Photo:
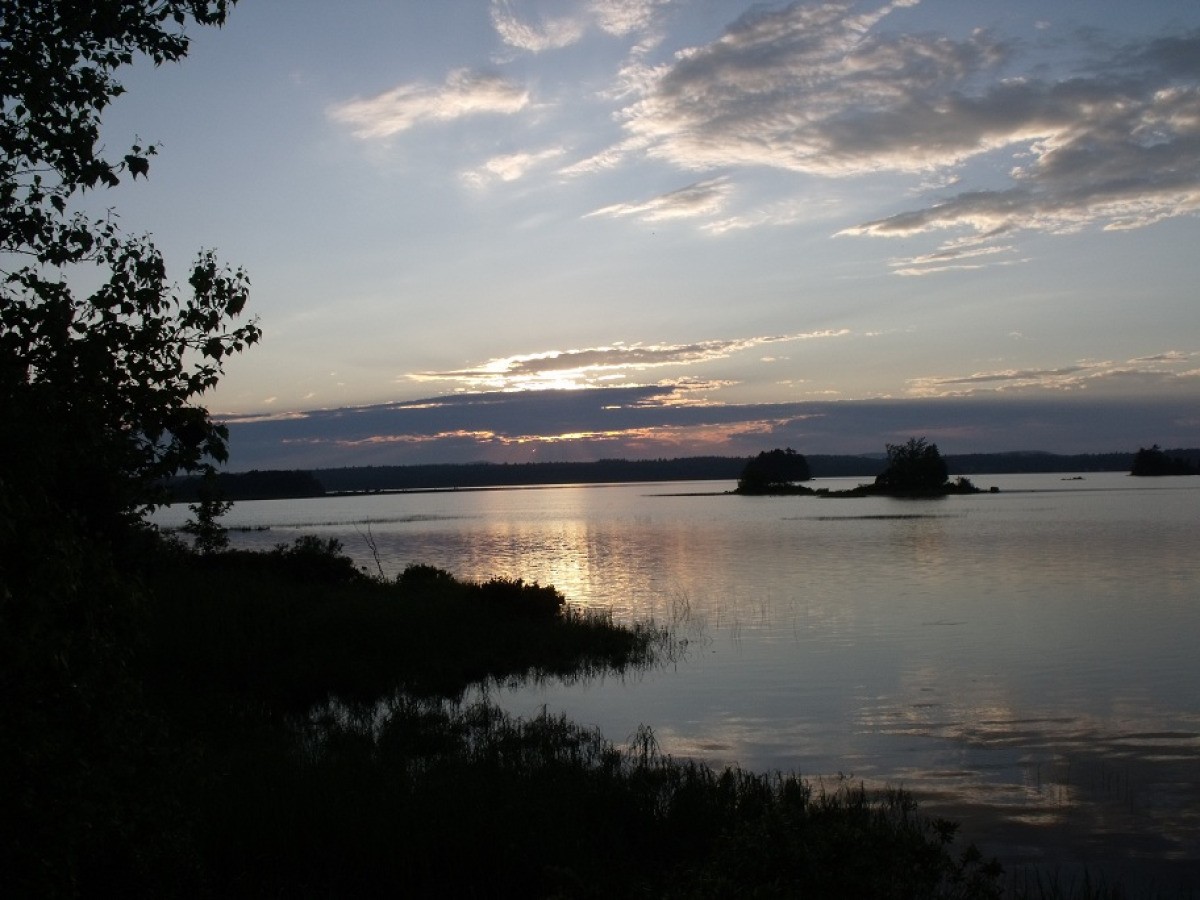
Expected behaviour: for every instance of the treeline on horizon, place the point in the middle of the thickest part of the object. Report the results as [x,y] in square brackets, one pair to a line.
[278,484]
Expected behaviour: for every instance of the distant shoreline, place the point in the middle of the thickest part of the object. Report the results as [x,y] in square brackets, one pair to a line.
[449,477]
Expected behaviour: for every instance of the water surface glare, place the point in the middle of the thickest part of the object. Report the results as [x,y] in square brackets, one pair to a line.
[1025,662]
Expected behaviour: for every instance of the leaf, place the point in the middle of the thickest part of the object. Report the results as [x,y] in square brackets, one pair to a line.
[138,165]
[105,367]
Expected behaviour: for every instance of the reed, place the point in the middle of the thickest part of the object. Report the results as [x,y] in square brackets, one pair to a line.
[434,798]
[284,724]
[292,628]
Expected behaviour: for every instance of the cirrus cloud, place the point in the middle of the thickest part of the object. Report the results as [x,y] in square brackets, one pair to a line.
[1110,139]
[547,34]
[510,167]
[595,366]
[699,199]
[525,28]
[810,89]
[464,93]
[1159,372]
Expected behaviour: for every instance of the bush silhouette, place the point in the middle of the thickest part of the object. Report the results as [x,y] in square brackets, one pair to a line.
[1153,462]
[773,470]
[913,466]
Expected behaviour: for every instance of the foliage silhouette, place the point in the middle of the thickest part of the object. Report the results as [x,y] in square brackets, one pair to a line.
[101,384]
[102,361]
[1153,461]
[208,535]
[469,802]
[774,472]
[914,469]
[915,465]
[300,624]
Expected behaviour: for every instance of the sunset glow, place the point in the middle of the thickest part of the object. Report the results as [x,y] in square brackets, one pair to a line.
[724,205]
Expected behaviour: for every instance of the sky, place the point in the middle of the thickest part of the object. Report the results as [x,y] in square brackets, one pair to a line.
[521,230]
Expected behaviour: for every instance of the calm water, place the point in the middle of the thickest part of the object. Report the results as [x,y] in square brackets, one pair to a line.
[1025,662]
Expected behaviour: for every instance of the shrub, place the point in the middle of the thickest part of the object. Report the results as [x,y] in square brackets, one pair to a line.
[773,470]
[913,466]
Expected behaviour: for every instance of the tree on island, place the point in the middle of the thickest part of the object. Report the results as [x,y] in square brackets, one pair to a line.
[915,465]
[914,468]
[774,471]
[1153,461]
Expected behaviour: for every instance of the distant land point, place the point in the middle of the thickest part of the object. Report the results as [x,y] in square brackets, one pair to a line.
[287,484]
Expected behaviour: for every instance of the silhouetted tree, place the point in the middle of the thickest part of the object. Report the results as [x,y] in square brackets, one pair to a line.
[99,387]
[913,466]
[207,532]
[1153,461]
[102,362]
[773,470]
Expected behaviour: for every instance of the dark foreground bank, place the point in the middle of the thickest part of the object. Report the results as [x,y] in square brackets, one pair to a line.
[281,724]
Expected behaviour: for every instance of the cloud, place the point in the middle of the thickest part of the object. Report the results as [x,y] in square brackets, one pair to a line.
[1150,373]
[547,34]
[688,392]
[625,17]
[510,167]
[591,367]
[627,422]
[823,90]
[954,256]
[464,93]
[783,212]
[1116,148]
[608,158]
[264,417]
[1166,356]
[534,32]
[949,255]
[699,199]
[1041,378]
[811,89]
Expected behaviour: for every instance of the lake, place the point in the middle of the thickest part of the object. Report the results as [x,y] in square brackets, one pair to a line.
[1023,662]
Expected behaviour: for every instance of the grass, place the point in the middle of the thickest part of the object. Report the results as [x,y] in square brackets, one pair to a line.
[334,757]
[281,724]
[460,802]
[292,628]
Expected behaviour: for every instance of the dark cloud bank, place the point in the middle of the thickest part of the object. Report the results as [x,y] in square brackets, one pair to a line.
[630,423]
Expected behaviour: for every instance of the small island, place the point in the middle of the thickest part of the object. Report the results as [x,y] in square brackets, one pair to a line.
[775,472]
[915,469]
[1154,462]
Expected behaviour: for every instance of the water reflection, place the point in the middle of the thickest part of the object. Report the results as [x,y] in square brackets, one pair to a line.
[1023,662]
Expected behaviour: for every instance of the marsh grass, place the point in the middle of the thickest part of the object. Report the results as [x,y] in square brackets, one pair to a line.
[1047,885]
[282,724]
[292,628]
[335,757]
[466,801]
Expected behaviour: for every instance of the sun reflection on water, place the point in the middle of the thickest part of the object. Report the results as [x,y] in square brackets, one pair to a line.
[1022,662]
